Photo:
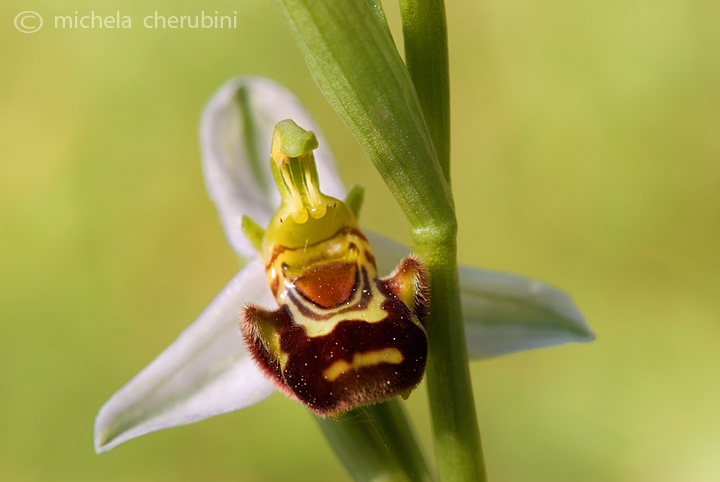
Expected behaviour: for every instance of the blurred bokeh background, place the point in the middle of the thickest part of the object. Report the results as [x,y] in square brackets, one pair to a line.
[586,154]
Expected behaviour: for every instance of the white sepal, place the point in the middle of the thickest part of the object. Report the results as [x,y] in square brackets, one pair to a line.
[505,313]
[205,372]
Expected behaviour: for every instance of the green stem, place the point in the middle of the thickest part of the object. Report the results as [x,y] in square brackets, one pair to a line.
[376,443]
[457,438]
[426,57]
[458,449]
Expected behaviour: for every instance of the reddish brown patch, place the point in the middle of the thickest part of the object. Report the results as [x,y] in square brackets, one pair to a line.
[328,285]
[274,285]
[309,357]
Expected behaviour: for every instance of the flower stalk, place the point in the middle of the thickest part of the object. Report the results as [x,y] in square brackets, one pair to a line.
[457,437]
[377,443]
[426,55]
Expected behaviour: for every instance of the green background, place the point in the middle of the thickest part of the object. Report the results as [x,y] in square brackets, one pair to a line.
[586,153]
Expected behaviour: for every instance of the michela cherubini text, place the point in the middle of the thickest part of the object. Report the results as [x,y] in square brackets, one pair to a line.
[341,337]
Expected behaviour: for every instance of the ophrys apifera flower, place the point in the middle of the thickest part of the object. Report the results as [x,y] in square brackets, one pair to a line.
[341,337]
[208,370]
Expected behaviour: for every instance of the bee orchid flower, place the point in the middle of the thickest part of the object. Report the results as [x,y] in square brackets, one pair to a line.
[209,370]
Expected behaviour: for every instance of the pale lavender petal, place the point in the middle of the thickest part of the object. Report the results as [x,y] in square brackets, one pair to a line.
[235,139]
[503,313]
[205,372]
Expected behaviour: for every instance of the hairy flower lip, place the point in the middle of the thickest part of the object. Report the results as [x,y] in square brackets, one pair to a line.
[207,370]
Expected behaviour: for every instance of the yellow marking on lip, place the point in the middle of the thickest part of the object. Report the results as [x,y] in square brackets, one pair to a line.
[336,369]
[372,313]
[360,360]
[272,343]
[284,357]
